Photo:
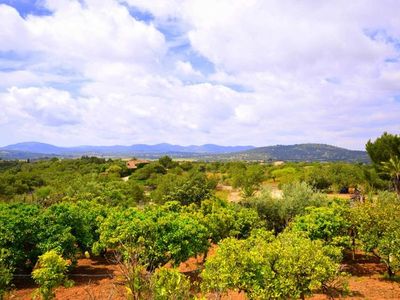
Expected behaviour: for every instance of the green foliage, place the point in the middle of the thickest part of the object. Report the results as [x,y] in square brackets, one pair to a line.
[334,177]
[248,178]
[385,154]
[392,169]
[6,271]
[151,169]
[223,219]
[383,148]
[18,232]
[278,212]
[330,224]
[186,190]
[289,266]
[137,279]
[165,235]
[27,230]
[167,162]
[298,196]
[285,174]
[170,284]
[50,273]
[115,170]
[378,227]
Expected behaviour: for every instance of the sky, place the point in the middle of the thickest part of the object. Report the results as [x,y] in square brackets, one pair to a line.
[229,72]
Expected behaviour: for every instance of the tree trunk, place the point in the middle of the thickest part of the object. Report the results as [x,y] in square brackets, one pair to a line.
[396,183]
[205,256]
[390,272]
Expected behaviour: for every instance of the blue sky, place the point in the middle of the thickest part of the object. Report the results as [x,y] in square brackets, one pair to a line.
[199,71]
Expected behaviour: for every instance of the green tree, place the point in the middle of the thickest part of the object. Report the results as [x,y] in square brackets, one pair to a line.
[167,162]
[248,179]
[170,284]
[378,227]
[193,189]
[166,234]
[50,273]
[385,154]
[287,267]
[383,148]
[6,271]
[392,169]
[18,233]
[278,212]
[330,224]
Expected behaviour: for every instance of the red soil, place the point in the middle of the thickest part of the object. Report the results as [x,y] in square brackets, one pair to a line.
[102,281]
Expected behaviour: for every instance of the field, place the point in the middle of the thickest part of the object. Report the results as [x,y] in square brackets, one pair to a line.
[106,224]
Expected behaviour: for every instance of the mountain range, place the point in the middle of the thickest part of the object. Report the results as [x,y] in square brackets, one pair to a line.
[298,152]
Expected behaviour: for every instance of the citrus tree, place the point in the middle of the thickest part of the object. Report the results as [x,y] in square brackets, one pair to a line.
[170,284]
[49,274]
[6,271]
[165,234]
[265,267]
[331,224]
[378,227]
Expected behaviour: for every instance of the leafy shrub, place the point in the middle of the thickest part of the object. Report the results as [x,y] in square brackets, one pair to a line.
[166,235]
[289,266]
[329,224]
[278,212]
[6,271]
[49,274]
[378,227]
[170,284]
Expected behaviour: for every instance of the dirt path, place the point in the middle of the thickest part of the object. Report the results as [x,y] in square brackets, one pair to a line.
[234,195]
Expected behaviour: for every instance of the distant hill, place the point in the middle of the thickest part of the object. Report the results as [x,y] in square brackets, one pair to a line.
[302,152]
[34,147]
[299,152]
[15,154]
[36,150]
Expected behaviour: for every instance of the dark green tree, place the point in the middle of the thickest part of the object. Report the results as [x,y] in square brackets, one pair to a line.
[385,154]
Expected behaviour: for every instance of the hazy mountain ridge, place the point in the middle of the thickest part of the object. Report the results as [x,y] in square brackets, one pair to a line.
[43,148]
[297,152]
[303,152]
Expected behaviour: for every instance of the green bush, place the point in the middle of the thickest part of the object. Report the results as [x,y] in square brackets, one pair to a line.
[49,274]
[170,284]
[287,267]
[6,271]
[329,224]
[378,227]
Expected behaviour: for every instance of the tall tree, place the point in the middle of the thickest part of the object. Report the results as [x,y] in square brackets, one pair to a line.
[385,154]
[383,148]
[392,168]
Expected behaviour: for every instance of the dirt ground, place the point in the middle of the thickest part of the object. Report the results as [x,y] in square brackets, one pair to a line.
[98,279]
[94,279]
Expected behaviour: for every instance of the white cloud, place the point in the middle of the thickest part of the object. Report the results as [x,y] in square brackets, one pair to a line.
[284,72]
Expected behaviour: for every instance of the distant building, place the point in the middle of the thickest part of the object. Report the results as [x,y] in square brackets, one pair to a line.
[135,163]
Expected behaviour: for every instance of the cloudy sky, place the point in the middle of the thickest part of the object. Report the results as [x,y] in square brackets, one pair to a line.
[231,72]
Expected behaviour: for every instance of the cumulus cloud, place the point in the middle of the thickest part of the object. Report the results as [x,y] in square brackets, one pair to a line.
[96,72]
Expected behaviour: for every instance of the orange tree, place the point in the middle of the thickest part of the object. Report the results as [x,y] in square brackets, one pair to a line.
[265,267]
